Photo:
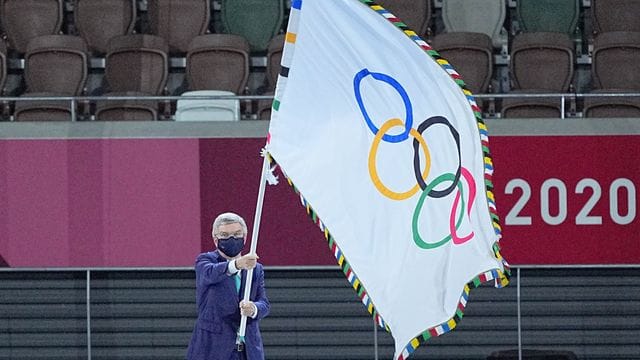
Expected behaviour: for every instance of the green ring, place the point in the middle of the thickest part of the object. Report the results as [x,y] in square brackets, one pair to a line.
[414,226]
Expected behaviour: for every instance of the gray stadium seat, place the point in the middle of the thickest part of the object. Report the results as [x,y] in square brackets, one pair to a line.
[483,16]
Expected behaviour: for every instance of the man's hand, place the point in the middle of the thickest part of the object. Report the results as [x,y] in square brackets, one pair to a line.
[246,262]
[248,308]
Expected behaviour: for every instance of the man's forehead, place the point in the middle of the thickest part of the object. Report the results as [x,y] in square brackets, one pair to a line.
[231,227]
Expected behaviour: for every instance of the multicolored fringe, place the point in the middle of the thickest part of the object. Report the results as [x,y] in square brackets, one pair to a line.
[501,278]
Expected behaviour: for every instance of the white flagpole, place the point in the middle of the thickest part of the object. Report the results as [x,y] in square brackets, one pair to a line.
[254,238]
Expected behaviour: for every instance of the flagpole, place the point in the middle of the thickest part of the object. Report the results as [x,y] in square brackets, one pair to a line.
[254,238]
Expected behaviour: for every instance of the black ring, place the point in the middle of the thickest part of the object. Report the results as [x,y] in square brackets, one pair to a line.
[416,156]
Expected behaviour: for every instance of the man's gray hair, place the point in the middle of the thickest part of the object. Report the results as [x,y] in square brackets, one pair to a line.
[228,218]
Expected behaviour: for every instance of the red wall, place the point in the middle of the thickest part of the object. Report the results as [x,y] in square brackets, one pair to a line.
[150,202]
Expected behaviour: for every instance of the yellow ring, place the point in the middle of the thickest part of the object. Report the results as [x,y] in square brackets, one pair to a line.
[373,172]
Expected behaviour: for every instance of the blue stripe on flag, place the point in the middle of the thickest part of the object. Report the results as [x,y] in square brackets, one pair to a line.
[296,4]
[410,349]
[445,327]
[494,272]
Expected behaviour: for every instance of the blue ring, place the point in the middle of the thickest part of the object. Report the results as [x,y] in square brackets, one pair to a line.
[403,94]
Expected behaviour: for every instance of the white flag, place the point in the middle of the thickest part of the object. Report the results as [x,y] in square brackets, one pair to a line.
[388,152]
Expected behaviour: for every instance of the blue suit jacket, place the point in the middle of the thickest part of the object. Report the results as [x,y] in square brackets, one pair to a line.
[214,334]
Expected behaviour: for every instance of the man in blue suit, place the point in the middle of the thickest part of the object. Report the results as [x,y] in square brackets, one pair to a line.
[219,291]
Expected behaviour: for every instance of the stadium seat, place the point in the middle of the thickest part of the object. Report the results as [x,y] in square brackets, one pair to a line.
[179,21]
[218,62]
[615,15]
[264,108]
[416,14]
[24,20]
[616,60]
[541,62]
[470,54]
[208,109]
[611,107]
[256,20]
[615,68]
[482,16]
[136,65]
[55,65]
[274,59]
[97,21]
[548,15]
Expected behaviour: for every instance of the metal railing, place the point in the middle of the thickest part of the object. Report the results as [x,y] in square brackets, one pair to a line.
[75,100]
[515,269]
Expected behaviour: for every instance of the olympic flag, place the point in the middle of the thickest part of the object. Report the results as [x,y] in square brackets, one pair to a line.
[387,150]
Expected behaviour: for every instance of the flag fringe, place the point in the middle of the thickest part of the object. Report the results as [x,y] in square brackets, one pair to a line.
[500,277]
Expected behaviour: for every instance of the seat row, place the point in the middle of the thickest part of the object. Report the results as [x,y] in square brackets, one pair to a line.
[136,66]
[177,21]
[542,54]
[494,18]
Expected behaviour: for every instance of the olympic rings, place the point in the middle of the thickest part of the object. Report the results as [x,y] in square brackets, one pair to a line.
[373,172]
[403,94]
[428,189]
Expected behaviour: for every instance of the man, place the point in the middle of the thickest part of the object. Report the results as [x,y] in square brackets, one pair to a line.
[220,285]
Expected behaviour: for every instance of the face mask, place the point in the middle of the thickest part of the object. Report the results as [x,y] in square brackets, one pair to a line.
[231,246]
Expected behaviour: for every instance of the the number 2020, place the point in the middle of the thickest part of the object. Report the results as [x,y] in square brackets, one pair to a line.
[584,216]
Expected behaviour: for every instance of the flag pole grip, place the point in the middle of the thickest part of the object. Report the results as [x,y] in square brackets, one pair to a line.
[254,239]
